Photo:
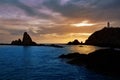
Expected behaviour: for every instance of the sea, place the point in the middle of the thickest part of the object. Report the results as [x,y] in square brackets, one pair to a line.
[42,63]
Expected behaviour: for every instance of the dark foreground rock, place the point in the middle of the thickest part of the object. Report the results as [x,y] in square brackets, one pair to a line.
[75,58]
[105,61]
[27,40]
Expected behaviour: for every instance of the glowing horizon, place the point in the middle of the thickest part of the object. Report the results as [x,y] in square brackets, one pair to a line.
[83,24]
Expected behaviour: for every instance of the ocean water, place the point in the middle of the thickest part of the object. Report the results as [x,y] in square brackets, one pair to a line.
[42,63]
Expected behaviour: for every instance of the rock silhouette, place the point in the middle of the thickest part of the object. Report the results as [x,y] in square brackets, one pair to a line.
[27,40]
[75,58]
[108,36]
[75,42]
[104,61]
[17,42]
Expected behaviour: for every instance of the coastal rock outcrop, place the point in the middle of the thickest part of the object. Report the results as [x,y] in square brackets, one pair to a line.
[108,36]
[75,58]
[17,42]
[104,61]
[27,40]
[75,42]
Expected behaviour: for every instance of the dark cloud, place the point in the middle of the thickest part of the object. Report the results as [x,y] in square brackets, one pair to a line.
[17,3]
[91,9]
[9,31]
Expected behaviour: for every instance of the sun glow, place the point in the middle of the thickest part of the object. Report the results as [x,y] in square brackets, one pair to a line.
[83,23]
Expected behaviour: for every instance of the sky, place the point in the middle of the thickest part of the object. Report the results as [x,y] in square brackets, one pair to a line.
[56,21]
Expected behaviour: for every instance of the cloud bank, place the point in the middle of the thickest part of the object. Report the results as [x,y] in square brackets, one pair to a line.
[50,19]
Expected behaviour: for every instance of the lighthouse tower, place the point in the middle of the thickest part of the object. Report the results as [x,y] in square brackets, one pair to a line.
[108,24]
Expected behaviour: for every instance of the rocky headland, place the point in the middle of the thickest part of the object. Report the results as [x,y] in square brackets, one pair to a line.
[106,61]
[107,36]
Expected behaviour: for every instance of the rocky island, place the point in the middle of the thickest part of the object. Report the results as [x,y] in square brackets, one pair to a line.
[27,40]
[75,42]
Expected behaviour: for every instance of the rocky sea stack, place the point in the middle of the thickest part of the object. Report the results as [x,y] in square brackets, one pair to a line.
[75,42]
[108,36]
[27,40]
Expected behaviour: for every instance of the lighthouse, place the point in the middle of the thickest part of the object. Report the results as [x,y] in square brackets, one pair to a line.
[108,24]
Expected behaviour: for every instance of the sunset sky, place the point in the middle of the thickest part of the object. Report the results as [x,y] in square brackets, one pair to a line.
[55,21]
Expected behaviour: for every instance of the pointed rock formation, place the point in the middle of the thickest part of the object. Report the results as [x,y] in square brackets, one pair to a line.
[27,40]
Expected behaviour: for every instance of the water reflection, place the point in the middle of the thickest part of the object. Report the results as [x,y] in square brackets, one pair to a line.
[84,49]
[26,61]
[27,56]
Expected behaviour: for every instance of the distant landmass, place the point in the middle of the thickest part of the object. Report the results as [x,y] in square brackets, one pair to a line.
[75,42]
[27,40]
[107,36]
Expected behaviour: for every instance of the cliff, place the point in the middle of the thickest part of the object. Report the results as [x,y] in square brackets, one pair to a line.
[105,37]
